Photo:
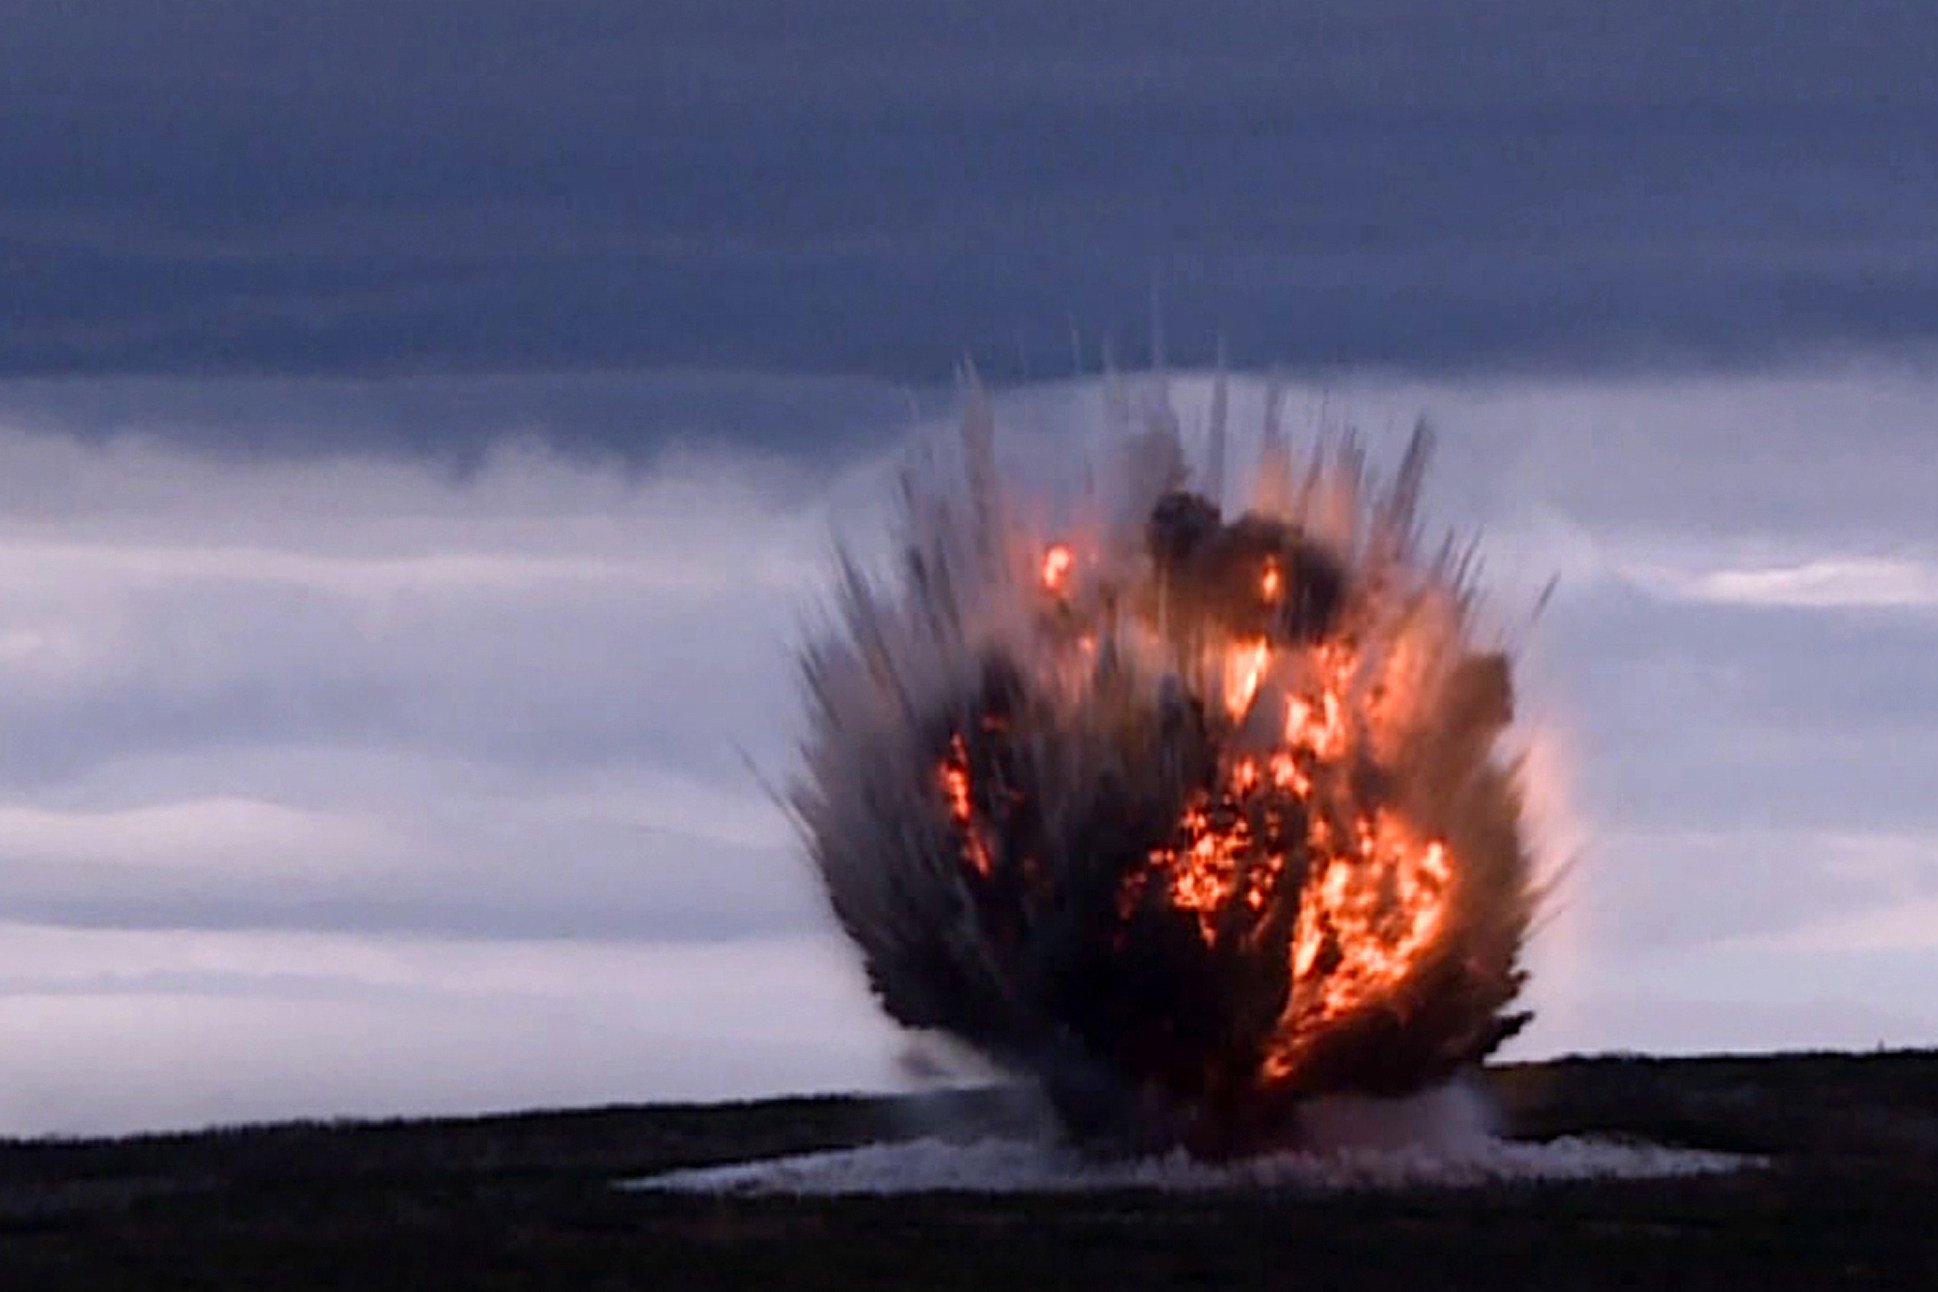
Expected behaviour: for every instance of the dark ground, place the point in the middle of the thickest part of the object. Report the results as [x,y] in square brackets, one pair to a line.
[525,1202]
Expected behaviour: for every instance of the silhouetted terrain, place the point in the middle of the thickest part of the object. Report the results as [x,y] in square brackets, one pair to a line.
[525,1201]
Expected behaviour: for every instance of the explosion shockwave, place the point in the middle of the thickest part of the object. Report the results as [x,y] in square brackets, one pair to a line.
[1190,813]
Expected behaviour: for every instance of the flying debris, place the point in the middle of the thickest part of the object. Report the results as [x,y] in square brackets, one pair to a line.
[1189,815]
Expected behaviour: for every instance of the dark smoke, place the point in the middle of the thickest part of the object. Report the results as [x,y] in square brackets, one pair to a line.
[1188,816]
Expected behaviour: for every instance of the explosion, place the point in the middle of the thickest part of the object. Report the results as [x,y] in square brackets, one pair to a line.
[1189,816]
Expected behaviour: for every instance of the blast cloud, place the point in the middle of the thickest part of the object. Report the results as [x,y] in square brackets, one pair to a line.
[1431,1140]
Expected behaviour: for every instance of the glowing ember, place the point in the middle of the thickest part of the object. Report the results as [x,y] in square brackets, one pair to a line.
[953,775]
[1244,670]
[1057,563]
[1225,831]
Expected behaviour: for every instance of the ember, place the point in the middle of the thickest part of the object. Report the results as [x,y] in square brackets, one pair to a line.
[1190,817]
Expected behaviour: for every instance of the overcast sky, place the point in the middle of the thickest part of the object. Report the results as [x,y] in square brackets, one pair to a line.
[421,427]
[872,187]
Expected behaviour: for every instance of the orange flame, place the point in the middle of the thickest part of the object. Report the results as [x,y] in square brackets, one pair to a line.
[1058,562]
[1318,728]
[953,776]
[1370,901]
[1245,667]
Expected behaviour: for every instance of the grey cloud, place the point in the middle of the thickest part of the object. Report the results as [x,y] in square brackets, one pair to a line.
[455,60]
[373,695]
[335,1026]
[563,878]
[548,676]
[1616,1022]
[1593,473]
[1702,716]
[1750,470]
[871,189]
[1642,892]
[439,772]
[632,419]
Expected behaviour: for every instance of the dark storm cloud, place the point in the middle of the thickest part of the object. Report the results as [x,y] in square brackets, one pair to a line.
[632,418]
[876,188]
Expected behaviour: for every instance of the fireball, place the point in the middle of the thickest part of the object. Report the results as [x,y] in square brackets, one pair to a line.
[1187,815]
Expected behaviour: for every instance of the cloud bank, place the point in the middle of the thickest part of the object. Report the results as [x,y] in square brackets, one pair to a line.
[496,186]
[359,783]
